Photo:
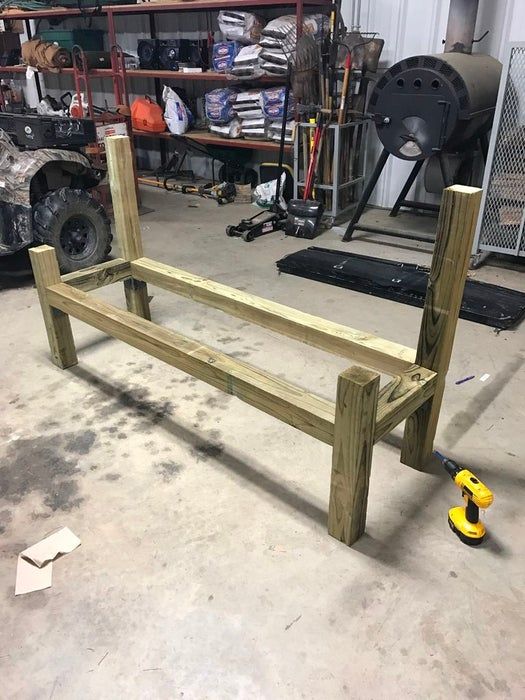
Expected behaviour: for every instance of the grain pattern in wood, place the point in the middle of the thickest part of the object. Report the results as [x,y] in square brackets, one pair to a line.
[310,414]
[355,416]
[58,327]
[99,275]
[124,196]
[137,301]
[126,213]
[401,397]
[455,232]
[362,347]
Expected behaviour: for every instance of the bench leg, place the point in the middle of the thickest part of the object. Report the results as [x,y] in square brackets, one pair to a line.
[58,327]
[355,419]
[126,213]
[446,282]
[137,298]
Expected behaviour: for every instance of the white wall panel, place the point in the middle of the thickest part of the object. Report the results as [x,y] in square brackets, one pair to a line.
[411,27]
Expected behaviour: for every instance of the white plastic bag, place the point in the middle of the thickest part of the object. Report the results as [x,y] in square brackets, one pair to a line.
[264,194]
[175,114]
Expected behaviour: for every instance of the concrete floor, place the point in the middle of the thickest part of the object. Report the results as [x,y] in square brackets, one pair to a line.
[205,569]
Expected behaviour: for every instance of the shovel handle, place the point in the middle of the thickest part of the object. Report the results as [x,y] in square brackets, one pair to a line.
[344,90]
[308,185]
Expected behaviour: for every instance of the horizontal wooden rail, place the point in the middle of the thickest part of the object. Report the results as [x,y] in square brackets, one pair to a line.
[301,409]
[99,275]
[382,355]
[311,414]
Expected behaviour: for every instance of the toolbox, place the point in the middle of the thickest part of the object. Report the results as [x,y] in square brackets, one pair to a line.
[35,131]
[88,39]
[86,4]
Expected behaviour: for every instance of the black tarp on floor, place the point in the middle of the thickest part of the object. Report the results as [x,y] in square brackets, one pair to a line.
[483,303]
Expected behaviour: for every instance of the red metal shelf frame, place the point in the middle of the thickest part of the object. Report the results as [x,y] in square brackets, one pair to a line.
[152,8]
[145,7]
[211,76]
[210,139]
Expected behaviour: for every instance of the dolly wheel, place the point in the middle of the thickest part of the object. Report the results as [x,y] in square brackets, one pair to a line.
[248,236]
[230,230]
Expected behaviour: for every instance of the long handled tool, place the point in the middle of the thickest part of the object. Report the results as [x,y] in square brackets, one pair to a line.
[344,91]
[223,193]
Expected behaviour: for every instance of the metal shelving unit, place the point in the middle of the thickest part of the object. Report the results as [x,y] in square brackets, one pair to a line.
[151,9]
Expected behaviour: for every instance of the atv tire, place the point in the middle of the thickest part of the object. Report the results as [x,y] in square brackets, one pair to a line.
[76,225]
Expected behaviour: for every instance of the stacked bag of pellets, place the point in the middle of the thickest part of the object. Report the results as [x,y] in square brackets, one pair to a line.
[246,63]
[238,55]
[274,130]
[249,111]
[279,40]
[254,114]
[244,27]
[272,103]
[223,55]
[272,106]
[252,49]
[221,113]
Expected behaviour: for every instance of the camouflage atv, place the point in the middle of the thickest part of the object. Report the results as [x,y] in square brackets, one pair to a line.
[44,198]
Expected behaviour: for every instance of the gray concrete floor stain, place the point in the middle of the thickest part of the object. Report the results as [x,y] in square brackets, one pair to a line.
[205,569]
[169,470]
[46,464]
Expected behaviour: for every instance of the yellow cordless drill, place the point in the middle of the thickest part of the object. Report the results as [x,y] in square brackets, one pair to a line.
[464,521]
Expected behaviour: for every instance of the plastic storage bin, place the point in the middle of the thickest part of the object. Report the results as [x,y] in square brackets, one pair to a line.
[88,39]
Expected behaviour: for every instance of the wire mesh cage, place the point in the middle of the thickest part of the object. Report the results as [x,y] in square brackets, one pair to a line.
[502,218]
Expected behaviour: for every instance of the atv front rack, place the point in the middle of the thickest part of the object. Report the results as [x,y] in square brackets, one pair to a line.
[362,413]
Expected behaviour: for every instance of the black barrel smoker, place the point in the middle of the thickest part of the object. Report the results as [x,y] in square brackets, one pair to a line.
[437,109]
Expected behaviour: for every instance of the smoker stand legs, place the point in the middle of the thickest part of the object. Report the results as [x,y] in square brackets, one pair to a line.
[366,194]
[406,187]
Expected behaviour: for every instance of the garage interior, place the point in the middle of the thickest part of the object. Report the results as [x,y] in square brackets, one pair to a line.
[206,567]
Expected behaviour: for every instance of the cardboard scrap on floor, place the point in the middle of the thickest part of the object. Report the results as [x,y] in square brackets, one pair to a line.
[34,569]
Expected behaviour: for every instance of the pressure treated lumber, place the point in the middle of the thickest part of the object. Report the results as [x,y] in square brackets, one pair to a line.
[124,196]
[58,327]
[99,275]
[292,405]
[365,348]
[361,415]
[401,397]
[355,414]
[126,213]
[448,272]
[136,294]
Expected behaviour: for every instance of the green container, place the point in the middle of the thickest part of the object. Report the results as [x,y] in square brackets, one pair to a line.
[88,39]
[94,3]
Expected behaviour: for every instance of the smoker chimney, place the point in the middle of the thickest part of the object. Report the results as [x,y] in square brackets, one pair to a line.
[461,25]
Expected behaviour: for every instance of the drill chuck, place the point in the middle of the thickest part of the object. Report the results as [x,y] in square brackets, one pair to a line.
[450,466]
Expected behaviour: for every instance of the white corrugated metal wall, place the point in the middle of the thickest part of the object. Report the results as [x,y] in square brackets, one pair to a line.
[412,27]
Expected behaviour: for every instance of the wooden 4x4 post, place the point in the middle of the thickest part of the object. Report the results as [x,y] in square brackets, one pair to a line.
[362,414]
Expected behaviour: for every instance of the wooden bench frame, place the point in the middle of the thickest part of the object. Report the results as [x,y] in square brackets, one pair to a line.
[362,413]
